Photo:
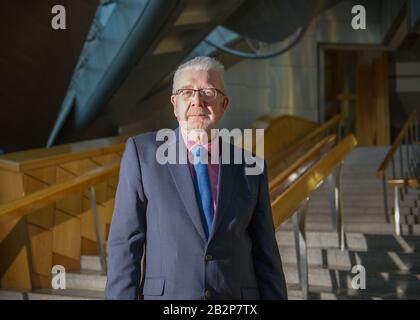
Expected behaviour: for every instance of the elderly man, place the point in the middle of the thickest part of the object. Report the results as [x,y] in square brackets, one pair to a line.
[205,228]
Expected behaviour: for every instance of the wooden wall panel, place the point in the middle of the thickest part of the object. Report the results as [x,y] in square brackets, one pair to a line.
[108,210]
[43,217]
[372,104]
[41,249]
[67,235]
[100,192]
[15,267]
[365,106]
[11,185]
[284,131]
[113,182]
[71,205]
[69,263]
[46,175]
[79,167]
[89,245]
[106,159]
[380,65]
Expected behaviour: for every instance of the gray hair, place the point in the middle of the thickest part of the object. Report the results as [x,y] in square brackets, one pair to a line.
[201,63]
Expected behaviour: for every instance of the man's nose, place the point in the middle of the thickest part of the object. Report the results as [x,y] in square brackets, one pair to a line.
[197,99]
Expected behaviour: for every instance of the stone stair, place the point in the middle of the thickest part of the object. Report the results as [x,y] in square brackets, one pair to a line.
[392,263]
[87,284]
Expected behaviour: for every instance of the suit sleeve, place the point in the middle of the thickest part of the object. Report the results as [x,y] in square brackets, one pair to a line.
[128,230]
[266,256]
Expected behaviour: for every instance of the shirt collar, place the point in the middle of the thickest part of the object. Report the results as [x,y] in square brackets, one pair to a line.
[190,143]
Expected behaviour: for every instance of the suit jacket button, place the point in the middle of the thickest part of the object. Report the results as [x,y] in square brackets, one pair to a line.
[207,293]
[209,257]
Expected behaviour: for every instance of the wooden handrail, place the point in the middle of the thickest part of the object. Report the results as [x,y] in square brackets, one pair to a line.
[43,157]
[42,198]
[297,163]
[324,127]
[400,183]
[384,165]
[305,140]
[289,200]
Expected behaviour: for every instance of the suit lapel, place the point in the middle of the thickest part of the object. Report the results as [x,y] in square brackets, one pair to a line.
[182,177]
[227,174]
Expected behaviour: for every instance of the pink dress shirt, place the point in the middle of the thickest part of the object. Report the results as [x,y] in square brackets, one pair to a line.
[212,169]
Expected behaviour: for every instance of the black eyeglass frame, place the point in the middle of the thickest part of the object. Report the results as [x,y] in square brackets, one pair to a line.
[177,92]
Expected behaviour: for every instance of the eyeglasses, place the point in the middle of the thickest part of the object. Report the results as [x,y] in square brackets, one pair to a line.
[208,94]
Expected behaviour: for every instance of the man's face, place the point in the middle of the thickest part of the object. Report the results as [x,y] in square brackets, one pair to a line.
[198,112]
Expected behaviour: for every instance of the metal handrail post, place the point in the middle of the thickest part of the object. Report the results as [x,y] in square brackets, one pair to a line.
[397,215]
[407,161]
[101,251]
[336,202]
[299,227]
[385,191]
[401,169]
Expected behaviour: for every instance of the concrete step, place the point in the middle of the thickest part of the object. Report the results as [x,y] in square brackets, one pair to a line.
[358,205]
[366,192]
[91,263]
[363,219]
[377,228]
[345,260]
[401,282]
[355,241]
[86,280]
[324,293]
[51,294]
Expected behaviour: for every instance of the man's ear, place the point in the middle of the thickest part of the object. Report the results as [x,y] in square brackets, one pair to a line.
[173,101]
[225,103]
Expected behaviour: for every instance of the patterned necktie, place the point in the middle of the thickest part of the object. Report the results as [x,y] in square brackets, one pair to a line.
[202,188]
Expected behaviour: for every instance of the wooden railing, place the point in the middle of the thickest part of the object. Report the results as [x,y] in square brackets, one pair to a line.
[19,209]
[297,161]
[408,133]
[41,224]
[276,160]
[404,173]
[285,132]
[293,200]
[289,200]
[42,198]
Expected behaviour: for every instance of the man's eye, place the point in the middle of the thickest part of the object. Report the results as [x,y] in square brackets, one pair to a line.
[208,92]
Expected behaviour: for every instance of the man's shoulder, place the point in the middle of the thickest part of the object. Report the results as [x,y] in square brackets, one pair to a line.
[144,140]
[145,137]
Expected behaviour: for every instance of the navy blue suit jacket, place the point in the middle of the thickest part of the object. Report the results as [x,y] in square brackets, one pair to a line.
[156,214]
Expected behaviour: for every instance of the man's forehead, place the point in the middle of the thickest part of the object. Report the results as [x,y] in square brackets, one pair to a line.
[192,76]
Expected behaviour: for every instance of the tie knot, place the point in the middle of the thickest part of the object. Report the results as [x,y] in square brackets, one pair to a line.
[200,154]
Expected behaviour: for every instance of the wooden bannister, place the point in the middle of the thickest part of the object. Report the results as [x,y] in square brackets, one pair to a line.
[397,143]
[42,198]
[289,200]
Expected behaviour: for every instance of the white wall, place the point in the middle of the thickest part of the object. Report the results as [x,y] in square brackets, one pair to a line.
[288,84]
